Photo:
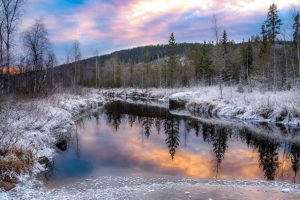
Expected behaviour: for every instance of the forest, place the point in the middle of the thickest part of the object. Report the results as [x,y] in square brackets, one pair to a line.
[269,60]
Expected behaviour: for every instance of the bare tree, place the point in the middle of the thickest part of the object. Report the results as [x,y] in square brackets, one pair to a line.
[11,12]
[217,60]
[96,67]
[76,57]
[37,46]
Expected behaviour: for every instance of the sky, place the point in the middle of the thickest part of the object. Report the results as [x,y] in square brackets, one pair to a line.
[109,25]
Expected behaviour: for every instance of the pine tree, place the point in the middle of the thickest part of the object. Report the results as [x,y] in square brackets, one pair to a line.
[225,42]
[273,23]
[172,59]
[264,33]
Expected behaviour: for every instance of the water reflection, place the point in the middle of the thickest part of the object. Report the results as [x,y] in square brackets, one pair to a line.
[133,139]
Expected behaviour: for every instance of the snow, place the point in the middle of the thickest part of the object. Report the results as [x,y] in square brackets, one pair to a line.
[37,124]
[109,187]
[286,190]
[183,96]
[253,105]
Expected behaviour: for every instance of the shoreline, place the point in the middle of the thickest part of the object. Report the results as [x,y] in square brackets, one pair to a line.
[71,108]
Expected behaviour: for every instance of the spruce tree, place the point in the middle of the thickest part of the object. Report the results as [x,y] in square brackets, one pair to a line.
[224,71]
[225,42]
[172,59]
[273,23]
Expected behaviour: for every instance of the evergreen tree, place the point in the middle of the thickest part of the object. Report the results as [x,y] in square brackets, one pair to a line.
[171,127]
[296,29]
[172,59]
[224,71]
[273,23]
[225,42]
[264,33]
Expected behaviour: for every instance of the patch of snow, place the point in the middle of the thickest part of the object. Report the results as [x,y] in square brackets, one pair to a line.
[139,188]
[285,190]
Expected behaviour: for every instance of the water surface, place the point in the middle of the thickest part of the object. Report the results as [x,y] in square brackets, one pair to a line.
[140,140]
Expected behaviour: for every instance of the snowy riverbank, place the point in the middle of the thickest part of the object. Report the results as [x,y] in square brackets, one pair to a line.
[281,107]
[30,129]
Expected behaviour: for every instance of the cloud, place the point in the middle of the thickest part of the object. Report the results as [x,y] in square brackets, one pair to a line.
[130,23]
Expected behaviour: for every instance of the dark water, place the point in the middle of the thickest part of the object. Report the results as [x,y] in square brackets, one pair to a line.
[138,140]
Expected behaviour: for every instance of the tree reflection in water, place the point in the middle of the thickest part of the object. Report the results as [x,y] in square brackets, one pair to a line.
[149,118]
[171,127]
[219,142]
[268,157]
[295,158]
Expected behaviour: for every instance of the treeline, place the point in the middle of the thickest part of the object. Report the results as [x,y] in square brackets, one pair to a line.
[268,59]
[265,60]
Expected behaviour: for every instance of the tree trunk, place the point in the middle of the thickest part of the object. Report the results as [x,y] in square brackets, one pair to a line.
[274,69]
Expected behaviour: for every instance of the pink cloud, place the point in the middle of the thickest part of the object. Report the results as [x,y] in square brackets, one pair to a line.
[139,22]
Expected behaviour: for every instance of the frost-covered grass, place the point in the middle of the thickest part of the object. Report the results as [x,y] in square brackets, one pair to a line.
[29,128]
[254,105]
[251,105]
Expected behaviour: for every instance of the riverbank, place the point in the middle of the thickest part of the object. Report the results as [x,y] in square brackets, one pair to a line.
[248,105]
[33,130]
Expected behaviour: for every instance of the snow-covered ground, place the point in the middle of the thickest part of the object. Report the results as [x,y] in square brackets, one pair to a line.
[250,105]
[35,125]
[155,188]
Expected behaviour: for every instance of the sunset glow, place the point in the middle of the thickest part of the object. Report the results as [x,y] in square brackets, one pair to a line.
[113,25]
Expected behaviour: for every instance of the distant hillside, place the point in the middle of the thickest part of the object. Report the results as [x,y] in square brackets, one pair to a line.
[137,54]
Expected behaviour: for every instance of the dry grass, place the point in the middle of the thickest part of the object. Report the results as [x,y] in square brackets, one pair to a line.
[16,162]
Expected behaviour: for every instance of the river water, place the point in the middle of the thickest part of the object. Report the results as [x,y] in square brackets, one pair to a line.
[144,142]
